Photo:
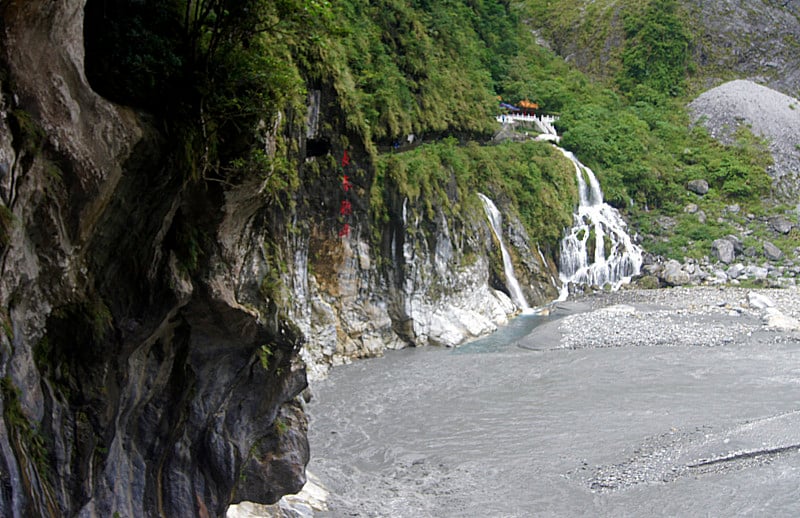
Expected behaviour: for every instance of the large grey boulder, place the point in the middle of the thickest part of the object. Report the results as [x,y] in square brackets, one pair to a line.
[757,272]
[720,277]
[775,319]
[673,274]
[723,250]
[781,225]
[738,247]
[698,186]
[653,269]
[759,301]
[735,270]
[772,252]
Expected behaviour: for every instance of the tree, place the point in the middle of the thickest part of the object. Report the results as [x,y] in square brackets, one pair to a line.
[657,50]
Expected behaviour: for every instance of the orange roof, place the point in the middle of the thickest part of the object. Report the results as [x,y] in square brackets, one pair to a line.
[527,104]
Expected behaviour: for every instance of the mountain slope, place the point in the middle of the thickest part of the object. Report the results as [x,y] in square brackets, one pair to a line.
[729,38]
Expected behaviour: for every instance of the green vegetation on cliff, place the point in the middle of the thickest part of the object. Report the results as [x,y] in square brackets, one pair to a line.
[397,67]
[220,73]
[528,178]
[223,71]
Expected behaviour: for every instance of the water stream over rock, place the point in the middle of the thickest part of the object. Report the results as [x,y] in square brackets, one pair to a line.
[496,222]
[597,250]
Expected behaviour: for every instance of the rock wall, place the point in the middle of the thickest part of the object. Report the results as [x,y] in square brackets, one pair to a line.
[430,291]
[758,44]
[132,384]
[415,279]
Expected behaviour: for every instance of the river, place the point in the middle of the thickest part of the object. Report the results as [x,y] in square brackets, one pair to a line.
[515,425]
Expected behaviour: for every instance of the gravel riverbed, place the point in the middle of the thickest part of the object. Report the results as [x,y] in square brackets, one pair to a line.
[699,316]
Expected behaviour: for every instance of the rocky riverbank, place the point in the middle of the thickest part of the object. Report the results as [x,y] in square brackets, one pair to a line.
[658,272]
[700,316]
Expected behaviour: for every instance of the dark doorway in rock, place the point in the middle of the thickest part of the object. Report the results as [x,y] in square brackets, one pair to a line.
[317,147]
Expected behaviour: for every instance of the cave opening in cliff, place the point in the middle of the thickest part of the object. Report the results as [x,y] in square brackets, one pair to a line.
[317,147]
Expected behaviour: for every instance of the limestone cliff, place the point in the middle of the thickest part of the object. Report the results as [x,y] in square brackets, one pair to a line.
[129,386]
[157,329]
[438,286]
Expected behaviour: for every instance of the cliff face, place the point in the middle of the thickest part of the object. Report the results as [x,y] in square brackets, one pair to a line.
[157,330]
[412,278]
[435,283]
[757,44]
[128,386]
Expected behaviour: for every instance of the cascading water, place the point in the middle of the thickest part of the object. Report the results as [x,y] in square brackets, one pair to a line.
[496,222]
[597,250]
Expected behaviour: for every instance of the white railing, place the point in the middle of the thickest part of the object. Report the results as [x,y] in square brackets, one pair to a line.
[548,119]
[543,122]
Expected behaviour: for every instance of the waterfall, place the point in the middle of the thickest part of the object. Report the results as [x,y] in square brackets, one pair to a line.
[600,232]
[496,222]
[597,250]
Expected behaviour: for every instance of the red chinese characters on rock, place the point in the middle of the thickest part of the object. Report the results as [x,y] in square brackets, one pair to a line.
[345,208]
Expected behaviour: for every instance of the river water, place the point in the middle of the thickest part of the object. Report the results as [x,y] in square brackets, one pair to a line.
[514,426]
